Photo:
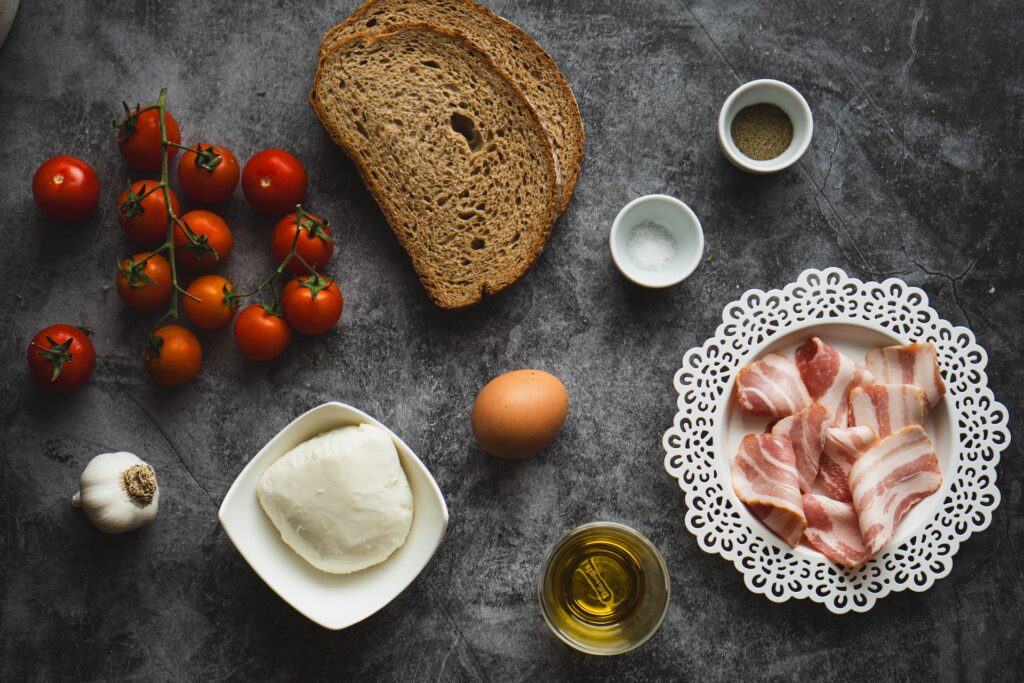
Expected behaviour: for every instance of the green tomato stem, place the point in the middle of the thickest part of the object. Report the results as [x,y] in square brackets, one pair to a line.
[161,105]
[292,253]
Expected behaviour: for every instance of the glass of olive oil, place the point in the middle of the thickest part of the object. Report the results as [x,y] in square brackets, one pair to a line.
[603,588]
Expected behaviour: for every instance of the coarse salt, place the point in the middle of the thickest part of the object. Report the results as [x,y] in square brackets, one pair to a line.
[651,246]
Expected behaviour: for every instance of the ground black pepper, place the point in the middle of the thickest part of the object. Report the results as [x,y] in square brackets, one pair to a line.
[762,131]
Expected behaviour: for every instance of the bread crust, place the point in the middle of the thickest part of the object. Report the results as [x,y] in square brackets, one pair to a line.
[548,217]
[568,168]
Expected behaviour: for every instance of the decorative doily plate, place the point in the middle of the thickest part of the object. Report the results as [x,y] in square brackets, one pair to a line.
[968,428]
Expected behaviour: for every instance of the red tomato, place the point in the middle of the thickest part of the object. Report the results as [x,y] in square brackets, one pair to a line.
[61,357]
[138,138]
[144,281]
[312,305]
[315,243]
[66,189]
[208,173]
[142,212]
[274,181]
[261,333]
[173,355]
[212,243]
[216,304]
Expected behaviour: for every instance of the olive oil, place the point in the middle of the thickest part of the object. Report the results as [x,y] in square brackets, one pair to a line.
[603,588]
[598,581]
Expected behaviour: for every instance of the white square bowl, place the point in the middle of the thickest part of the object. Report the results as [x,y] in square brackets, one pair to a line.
[334,601]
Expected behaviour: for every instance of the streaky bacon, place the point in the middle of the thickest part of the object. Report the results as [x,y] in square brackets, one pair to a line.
[786,525]
[771,387]
[833,530]
[764,477]
[887,408]
[806,431]
[916,364]
[843,445]
[829,376]
[889,479]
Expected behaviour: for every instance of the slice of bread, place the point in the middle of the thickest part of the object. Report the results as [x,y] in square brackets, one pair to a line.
[451,150]
[510,48]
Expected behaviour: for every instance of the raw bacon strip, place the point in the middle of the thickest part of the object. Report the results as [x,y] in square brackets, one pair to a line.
[806,431]
[764,477]
[887,408]
[829,376]
[833,530]
[786,525]
[771,387]
[916,364]
[889,479]
[842,448]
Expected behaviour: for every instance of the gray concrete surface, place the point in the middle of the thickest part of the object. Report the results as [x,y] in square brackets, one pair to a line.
[914,171]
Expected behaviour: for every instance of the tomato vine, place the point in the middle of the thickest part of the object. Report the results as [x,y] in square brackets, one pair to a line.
[208,159]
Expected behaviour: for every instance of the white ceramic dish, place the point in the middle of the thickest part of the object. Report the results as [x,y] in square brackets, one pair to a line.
[968,429]
[766,91]
[675,248]
[334,601]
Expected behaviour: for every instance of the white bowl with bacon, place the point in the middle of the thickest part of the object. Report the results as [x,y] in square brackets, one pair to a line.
[859,527]
[966,431]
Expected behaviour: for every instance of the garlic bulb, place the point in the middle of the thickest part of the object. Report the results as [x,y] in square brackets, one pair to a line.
[118,492]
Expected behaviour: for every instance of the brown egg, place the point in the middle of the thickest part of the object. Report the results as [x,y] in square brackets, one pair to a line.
[518,413]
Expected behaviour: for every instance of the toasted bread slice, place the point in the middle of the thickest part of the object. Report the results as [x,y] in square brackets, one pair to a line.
[511,49]
[451,150]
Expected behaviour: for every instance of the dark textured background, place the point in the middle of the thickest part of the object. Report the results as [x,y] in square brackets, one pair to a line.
[915,170]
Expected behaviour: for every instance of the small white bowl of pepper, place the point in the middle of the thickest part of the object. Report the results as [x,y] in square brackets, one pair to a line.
[765,126]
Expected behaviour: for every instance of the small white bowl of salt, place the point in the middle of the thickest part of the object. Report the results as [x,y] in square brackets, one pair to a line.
[656,241]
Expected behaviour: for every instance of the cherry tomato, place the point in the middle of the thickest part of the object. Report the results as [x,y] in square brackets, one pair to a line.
[173,355]
[142,212]
[208,173]
[144,281]
[61,357]
[312,304]
[274,181]
[66,189]
[138,138]
[315,243]
[261,333]
[216,305]
[212,243]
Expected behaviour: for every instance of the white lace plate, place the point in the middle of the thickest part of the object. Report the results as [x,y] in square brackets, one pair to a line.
[968,429]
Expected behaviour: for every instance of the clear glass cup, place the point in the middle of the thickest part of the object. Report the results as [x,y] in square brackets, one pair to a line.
[603,588]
